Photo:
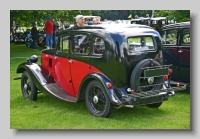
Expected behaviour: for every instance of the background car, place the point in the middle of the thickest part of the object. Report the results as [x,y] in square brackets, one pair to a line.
[176,45]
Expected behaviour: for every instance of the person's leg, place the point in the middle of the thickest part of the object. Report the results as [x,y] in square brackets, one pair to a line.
[50,40]
[47,41]
[34,44]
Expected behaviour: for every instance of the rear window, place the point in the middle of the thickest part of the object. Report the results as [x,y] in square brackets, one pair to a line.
[144,43]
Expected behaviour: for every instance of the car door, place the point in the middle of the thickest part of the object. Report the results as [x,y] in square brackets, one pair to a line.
[79,59]
[61,65]
[184,55]
[170,51]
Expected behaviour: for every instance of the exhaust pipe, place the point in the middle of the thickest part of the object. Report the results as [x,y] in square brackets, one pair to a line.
[128,106]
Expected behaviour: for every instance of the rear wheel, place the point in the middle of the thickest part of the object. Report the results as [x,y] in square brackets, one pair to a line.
[97,101]
[28,88]
[146,84]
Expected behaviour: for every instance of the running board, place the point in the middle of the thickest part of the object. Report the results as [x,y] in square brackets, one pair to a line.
[55,90]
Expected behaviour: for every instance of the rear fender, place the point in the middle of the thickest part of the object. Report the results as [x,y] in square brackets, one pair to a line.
[113,93]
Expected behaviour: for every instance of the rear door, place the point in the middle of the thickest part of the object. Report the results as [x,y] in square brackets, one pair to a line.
[170,41]
[184,55]
[79,59]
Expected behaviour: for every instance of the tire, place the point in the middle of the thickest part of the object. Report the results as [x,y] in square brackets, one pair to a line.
[136,81]
[97,101]
[28,88]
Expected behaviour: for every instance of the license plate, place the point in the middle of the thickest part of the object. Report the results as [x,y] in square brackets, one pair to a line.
[156,72]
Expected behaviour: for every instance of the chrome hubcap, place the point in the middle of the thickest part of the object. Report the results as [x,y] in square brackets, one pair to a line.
[95,99]
[25,87]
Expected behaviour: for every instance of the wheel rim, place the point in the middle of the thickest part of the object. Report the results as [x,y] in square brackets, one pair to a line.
[26,86]
[97,99]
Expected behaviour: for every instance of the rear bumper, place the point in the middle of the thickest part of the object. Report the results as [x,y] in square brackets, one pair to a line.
[150,97]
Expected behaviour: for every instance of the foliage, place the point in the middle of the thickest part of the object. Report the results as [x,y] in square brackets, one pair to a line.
[177,15]
[26,17]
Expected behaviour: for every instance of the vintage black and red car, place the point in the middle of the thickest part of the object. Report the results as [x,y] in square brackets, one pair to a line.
[108,66]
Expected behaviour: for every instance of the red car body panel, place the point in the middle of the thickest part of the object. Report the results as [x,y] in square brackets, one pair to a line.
[62,73]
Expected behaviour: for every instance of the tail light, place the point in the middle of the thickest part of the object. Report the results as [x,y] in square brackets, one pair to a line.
[170,71]
[109,85]
[166,77]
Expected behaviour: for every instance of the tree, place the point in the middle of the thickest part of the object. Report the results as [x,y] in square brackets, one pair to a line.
[177,15]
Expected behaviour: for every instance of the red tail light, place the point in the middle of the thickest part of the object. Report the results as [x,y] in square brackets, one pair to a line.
[170,71]
[166,77]
[109,85]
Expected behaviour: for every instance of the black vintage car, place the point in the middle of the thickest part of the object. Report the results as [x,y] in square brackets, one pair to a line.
[176,44]
[108,66]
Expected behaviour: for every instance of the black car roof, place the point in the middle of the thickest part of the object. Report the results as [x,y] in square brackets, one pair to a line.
[123,29]
[176,25]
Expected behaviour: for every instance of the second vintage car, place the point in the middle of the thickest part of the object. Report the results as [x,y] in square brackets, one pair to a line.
[176,45]
[108,66]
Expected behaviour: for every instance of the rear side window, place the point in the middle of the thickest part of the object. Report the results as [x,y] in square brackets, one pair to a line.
[98,46]
[81,44]
[169,37]
[186,37]
[143,43]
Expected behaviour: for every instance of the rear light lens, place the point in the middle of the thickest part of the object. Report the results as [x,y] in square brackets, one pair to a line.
[166,77]
[109,85]
[170,71]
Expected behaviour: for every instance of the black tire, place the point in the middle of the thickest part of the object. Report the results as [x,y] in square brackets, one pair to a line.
[136,81]
[97,101]
[28,88]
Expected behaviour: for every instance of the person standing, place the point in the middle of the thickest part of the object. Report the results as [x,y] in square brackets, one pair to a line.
[80,20]
[34,34]
[49,32]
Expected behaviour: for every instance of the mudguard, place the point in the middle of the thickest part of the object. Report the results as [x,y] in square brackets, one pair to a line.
[35,72]
[114,94]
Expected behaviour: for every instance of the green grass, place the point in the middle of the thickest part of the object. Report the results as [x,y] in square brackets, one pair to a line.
[51,113]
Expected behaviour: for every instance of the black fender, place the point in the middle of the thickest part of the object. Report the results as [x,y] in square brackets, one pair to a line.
[113,93]
[35,72]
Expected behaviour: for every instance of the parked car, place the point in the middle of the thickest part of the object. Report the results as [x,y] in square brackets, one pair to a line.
[108,66]
[176,45]
[142,20]
[158,22]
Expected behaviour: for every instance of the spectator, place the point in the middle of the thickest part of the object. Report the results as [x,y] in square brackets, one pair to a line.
[54,34]
[136,16]
[90,22]
[49,32]
[96,21]
[147,15]
[34,34]
[80,20]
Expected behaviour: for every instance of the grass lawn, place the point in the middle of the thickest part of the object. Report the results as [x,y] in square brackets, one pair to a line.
[52,113]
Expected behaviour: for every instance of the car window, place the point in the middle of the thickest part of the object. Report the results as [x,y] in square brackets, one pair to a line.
[64,44]
[98,46]
[143,43]
[169,37]
[186,36]
[81,44]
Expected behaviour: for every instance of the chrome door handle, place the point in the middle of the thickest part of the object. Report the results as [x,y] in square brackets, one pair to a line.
[70,60]
[180,51]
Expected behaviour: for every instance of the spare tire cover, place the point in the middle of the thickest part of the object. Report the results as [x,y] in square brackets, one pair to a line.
[136,81]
